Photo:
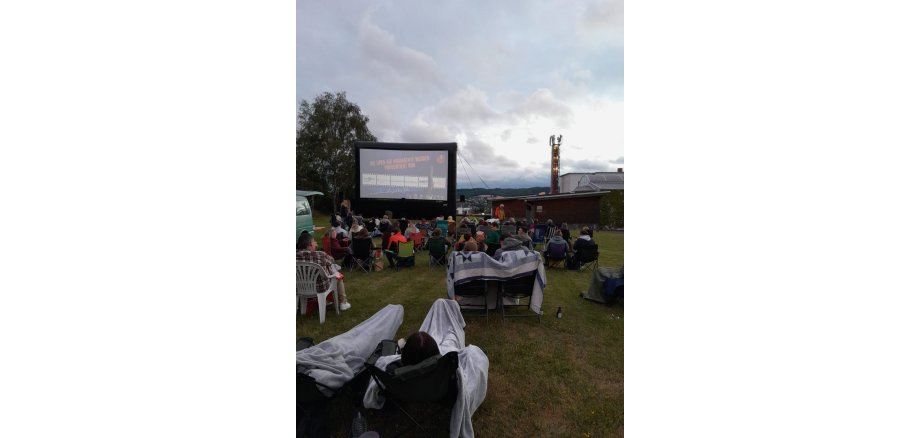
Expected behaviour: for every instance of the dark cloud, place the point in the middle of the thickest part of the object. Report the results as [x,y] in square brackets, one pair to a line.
[421,132]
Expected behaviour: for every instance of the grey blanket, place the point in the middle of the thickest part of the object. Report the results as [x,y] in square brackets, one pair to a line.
[335,361]
[445,324]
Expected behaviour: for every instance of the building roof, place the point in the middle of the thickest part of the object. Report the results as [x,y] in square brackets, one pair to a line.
[600,181]
[549,196]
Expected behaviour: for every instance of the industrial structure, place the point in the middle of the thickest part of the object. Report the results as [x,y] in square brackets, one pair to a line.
[554,160]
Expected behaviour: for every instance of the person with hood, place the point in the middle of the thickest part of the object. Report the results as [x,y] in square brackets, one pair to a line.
[583,240]
[556,248]
[525,239]
[508,245]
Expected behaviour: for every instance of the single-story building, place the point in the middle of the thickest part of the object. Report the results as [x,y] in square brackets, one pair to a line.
[597,200]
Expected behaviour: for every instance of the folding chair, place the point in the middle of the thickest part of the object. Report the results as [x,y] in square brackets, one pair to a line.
[308,274]
[437,251]
[555,254]
[587,256]
[539,236]
[473,289]
[517,289]
[444,226]
[362,250]
[404,254]
[432,382]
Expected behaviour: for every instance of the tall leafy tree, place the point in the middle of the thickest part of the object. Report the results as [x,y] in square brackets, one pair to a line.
[326,132]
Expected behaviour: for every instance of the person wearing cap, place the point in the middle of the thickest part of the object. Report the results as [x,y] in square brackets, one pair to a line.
[500,213]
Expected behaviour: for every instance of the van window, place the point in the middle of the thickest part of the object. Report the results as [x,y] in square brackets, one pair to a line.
[303,208]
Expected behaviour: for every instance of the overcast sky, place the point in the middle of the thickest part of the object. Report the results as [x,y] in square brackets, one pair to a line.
[498,78]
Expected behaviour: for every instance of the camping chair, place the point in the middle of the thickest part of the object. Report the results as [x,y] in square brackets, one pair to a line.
[444,226]
[313,403]
[555,253]
[472,289]
[404,254]
[432,382]
[516,289]
[586,257]
[539,236]
[419,239]
[362,251]
[437,252]
[308,274]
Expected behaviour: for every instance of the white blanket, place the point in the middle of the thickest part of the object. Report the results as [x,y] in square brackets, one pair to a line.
[335,361]
[445,324]
[470,266]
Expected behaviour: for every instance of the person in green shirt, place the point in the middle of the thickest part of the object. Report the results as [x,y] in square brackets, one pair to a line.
[493,239]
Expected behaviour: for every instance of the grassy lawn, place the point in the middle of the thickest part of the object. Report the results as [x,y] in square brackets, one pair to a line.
[558,377]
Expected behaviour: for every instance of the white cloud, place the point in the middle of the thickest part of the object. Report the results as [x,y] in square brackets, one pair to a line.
[403,67]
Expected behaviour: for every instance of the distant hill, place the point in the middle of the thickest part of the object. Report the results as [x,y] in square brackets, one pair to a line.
[501,192]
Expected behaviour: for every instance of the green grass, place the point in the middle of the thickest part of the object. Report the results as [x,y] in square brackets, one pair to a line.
[558,377]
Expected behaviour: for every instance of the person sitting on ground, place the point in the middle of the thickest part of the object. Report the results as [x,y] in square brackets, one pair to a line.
[451,226]
[306,252]
[524,237]
[509,244]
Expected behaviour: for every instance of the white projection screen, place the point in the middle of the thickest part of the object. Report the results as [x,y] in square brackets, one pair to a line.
[403,174]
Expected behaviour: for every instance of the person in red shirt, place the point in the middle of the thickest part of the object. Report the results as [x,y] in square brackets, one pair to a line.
[393,244]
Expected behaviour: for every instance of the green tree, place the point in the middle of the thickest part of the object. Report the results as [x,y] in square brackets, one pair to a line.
[326,132]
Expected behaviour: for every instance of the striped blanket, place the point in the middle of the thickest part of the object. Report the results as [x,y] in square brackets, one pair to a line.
[470,266]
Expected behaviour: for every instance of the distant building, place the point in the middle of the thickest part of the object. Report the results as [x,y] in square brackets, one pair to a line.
[580,181]
[586,199]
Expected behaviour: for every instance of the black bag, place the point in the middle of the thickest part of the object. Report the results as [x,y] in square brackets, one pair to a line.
[572,263]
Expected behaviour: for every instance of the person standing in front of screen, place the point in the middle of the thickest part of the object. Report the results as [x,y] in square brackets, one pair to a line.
[500,213]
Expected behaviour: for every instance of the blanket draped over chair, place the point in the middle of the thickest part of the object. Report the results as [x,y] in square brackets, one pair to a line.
[445,324]
[469,266]
[335,361]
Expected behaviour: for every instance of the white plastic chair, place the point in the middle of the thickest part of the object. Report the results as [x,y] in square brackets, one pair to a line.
[307,275]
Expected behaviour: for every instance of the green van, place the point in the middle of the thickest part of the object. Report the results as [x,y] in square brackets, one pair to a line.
[304,212]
